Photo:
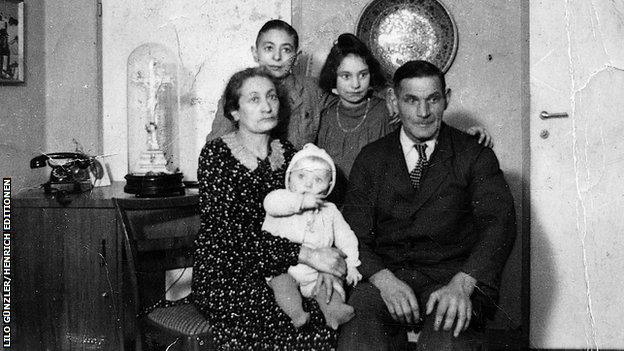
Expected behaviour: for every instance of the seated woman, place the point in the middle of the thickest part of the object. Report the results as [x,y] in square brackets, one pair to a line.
[233,255]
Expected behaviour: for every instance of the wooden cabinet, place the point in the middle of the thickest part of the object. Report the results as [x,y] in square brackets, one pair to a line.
[68,271]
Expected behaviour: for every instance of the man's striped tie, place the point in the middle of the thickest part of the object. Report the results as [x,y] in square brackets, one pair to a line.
[418,171]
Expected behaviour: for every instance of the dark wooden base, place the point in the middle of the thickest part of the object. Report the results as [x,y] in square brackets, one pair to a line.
[155,185]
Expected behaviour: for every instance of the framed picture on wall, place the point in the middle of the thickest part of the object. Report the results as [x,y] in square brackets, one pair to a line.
[11,41]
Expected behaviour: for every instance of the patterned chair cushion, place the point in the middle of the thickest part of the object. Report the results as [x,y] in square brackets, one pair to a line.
[183,318]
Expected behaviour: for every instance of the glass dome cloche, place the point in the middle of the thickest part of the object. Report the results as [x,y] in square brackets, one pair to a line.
[153,153]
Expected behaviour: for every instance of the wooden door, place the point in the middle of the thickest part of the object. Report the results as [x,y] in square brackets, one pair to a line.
[576,177]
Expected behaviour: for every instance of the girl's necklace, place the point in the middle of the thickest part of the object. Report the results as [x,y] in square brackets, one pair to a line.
[359,124]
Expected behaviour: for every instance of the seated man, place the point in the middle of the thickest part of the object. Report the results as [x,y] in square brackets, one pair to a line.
[436,223]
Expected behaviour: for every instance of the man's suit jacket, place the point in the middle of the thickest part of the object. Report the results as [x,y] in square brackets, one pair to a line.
[462,218]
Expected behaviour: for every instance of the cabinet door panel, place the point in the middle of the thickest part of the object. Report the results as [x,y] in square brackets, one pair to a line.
[68,279]
[38,267]
[90,272]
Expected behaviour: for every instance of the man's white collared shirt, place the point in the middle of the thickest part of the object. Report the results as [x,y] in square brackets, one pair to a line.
[409,151]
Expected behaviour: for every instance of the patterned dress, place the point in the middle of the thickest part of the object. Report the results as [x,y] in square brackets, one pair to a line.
[233,255]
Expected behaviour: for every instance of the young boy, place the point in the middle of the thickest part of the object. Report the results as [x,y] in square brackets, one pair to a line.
[276,49]
[298,213]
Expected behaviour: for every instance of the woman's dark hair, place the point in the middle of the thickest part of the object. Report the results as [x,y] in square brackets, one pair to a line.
[234,85]
[418,69]
[280,25]
[349,44]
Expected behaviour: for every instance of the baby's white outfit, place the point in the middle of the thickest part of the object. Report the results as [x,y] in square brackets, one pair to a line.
[324,227]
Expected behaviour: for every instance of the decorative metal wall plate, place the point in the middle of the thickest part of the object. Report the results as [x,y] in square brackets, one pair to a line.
[398,31]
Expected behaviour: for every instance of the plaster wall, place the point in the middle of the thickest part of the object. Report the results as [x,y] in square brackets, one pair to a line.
[58,103]
[72,77]
[486,79]
[22,108]
[211,39]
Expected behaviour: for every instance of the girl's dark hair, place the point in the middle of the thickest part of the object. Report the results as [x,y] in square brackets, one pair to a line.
[349,44]
[232,89]
[280,25]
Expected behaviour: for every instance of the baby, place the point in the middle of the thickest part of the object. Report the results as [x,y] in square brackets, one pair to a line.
[299,214]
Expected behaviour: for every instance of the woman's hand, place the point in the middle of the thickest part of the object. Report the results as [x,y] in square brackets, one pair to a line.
[325,259]
[484,137]
[326,284]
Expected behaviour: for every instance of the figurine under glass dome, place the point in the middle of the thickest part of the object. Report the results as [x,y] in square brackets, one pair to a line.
[152,123]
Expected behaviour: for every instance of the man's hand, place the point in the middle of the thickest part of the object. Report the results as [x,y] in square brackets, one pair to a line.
[453,302]
[393,109]
[311,202]
[398,297]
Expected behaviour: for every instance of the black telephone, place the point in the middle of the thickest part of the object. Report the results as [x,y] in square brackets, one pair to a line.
[71,171]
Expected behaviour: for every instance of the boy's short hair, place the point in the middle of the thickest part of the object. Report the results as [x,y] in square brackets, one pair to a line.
[418,69]
[349,44]
[279,25]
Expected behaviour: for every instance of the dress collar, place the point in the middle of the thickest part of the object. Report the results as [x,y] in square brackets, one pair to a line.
[248,159]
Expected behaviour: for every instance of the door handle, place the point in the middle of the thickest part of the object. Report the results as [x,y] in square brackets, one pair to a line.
[546,115]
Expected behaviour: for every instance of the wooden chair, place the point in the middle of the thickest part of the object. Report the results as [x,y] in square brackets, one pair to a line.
[158,236]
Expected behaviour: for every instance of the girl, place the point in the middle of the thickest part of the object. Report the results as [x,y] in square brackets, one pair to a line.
[354,116]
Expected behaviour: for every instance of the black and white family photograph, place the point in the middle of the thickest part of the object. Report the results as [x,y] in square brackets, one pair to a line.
[329,175]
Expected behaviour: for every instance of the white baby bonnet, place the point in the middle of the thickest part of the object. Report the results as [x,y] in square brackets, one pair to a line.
[308,150]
